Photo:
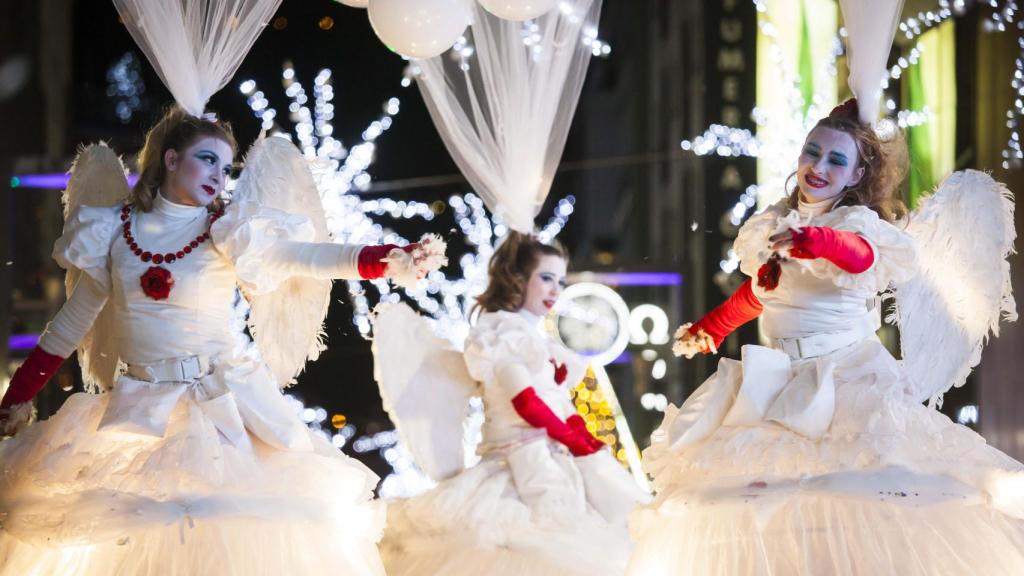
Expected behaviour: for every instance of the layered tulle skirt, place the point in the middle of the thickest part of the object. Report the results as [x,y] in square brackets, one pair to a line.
[889,486]
[512,514]
[79,501]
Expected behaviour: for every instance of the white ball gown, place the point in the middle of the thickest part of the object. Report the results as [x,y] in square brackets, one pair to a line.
[811,457]
[193,463]
[528,506]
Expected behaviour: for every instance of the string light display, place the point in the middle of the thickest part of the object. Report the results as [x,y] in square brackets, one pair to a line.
[340,174]
[1002,19]
[726,141]
[125,86]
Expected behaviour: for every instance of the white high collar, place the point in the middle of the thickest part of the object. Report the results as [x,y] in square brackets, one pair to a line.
[165,207]
[810,209]
[530,317]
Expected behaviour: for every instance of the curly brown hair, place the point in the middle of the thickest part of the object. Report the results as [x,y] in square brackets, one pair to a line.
[177,130]
[884,161]
[509,271]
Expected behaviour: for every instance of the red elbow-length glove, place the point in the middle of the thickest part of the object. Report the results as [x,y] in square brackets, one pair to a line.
[846,250]
[371,259]
[30,377]
[739,309]
[537,414]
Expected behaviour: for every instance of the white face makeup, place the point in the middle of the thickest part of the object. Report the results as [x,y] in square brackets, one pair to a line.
[196,175]
[828,164]
[545,285]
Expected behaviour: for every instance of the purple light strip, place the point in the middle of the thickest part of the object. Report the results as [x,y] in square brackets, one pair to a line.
[22,341]
[631,278]
[624,358]
[56,181]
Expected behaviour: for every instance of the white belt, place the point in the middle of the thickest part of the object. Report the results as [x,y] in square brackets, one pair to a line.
[824,343]
[238,397]
[185,369]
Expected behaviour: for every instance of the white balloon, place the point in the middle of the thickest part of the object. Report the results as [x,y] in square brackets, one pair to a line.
[518,10]
[354,3]
[418,28]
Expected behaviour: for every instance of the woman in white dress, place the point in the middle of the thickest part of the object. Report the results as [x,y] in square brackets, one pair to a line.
[193,463]
[811,457]
[546,498]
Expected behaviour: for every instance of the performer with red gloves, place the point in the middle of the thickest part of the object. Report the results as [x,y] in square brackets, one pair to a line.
[192,461]
[811,455]
[76,317]
[547,497]
[848,251]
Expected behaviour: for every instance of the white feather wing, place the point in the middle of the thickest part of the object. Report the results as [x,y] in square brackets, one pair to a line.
[425,387]
[98,178]
[964,234]
[287,324]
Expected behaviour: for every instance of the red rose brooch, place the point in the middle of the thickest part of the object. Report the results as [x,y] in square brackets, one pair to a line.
[157,282]
[561,372]
[769,273]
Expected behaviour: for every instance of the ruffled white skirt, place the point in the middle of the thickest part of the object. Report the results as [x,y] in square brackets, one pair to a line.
[78,501]
[892,487]
[521,513]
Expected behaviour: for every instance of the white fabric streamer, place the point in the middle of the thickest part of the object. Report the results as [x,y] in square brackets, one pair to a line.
[195,45]
[504,112]
[870,26]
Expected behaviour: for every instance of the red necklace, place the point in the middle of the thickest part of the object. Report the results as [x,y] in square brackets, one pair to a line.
[157,280]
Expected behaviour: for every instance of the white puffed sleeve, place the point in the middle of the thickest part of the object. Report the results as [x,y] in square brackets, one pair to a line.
[504,349]
[89,233]
[895,254]
[751,245]
[268,246]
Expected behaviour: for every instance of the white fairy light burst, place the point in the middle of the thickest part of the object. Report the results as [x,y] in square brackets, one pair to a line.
[340,174]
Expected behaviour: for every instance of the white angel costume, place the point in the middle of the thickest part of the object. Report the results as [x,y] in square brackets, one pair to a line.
[528,506]
[816,455]
[192,462]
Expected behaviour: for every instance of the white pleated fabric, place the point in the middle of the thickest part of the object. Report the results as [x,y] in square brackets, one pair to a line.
[505,111]
[195,45]
[870,28]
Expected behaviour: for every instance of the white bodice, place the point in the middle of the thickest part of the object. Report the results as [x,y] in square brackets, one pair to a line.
[511,337]
[816,296]
[252,247]
[804,304]
[195,318]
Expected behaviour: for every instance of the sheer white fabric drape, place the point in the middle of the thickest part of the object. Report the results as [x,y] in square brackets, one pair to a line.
[195,45]
[505,110]
[870,28]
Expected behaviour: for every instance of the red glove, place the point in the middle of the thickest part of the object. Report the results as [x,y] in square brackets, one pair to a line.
[739,309]
[30,377]
[537,414]
[846,250]
[579,425]
[371,264]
